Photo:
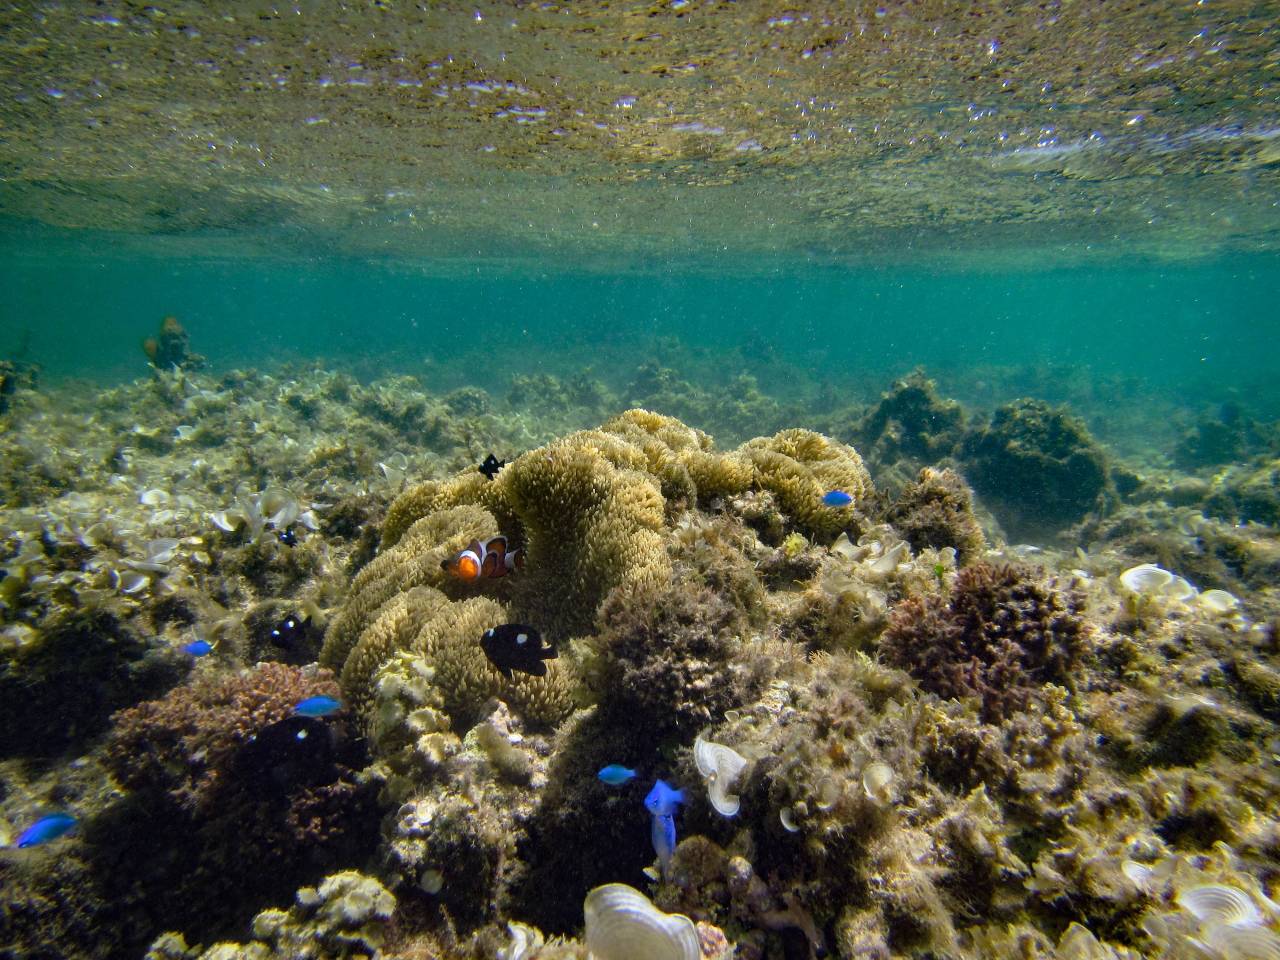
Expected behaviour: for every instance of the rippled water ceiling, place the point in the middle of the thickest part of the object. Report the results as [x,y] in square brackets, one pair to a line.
[625,133]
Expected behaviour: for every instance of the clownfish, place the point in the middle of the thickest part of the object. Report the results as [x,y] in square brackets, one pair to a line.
[488,559]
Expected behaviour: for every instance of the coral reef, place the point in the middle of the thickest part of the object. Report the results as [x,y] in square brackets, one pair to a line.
[1000,634]
[1037,468]
[912,423]
[224,774]
[347,915]
[925,752]
[936,510]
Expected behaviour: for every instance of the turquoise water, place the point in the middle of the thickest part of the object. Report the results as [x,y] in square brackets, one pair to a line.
[1184,333]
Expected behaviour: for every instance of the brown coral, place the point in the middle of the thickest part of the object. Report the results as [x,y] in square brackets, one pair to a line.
[184,743]
[936,510]
[667,655]
[1001,633]
[225,784]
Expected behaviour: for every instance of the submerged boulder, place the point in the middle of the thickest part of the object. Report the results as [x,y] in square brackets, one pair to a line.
[1037,468]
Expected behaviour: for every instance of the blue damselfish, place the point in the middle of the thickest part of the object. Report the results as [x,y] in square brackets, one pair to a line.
[661,804]
[837,498]
[47,828]
[319,706]
[615,774]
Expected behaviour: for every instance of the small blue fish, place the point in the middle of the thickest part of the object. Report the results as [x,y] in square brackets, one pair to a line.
[837,498]
[661,804]
[615,774]
[45,829]
[198,648]
[320,706]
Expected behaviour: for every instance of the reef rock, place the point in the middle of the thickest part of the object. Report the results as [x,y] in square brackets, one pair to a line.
[1037,468]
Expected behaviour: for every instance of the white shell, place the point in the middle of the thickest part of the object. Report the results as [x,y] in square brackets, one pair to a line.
[845,548]
[787,820]
[1079,943]
[1179,589]
[889,561]
[877,781]
[1146,579]
[131,581]
[1139,874]
[525,942]
[1217,903]
[828,794]
[161,551]
[622,924]
[720,766]
[228,520]
[1219,601]
[1244,943]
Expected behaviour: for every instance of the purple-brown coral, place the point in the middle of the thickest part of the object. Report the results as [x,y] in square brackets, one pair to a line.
[936,510]
[1000,635]
[185,744]
[227,785]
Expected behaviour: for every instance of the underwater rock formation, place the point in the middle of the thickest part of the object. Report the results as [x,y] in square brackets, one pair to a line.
[171,348]
[1247,492]
[936,510]
[78,666]
[1037,468]
[667,656]
[736,410]
[1226,436]
[14,376]
[347,915]
[1000,634]
[910,422]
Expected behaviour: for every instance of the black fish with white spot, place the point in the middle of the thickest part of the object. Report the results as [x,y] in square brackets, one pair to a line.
[513,646]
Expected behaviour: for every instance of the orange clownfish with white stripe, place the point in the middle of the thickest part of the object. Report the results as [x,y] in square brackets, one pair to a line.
[478,560]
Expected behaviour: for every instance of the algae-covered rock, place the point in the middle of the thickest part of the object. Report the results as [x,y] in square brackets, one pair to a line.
[937,511]
[347,916]
[911,421]
[1037,468]
[1246,492]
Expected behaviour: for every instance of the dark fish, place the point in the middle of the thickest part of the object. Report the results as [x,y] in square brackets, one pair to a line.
[290,631]
[288,537]
[491,466]
[513,646]
[297,751]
